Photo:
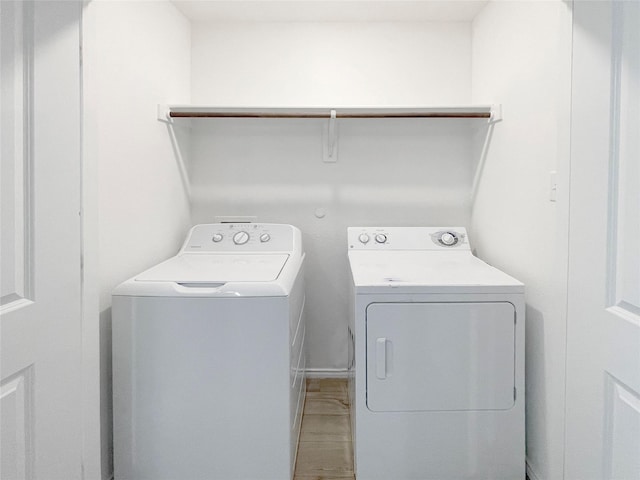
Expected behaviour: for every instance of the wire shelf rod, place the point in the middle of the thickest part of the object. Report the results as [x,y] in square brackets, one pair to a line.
[347,115]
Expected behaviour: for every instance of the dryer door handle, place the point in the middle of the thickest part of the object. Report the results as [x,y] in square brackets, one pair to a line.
[381,358]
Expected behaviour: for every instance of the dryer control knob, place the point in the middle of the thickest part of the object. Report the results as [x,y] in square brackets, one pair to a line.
[265,237]
[448,239]
[381,238]
[217,237]
[241,238]
[364,238]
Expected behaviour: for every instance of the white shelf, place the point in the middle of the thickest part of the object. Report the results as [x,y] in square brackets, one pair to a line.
[171,112]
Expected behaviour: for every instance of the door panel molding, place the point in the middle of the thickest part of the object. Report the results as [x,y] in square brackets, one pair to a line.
[16,408]
[16,33]
[622,431]
[623,254]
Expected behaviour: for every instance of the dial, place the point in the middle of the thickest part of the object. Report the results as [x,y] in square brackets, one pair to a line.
[241,238]
[381,238]
[364,238]
[217,237]
[448,239]
[265,237]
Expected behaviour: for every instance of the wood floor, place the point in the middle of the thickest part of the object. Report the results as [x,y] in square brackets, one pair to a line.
[325,451]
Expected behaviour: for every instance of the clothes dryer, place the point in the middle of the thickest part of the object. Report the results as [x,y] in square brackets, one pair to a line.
[209,358]
[436,380]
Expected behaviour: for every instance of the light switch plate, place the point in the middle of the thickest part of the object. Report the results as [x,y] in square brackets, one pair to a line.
[553,186]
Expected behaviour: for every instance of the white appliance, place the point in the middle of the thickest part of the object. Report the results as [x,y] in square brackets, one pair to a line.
[437,359]
[209,358]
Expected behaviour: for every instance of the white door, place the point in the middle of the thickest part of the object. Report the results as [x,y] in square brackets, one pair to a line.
[40,331]
[603,371]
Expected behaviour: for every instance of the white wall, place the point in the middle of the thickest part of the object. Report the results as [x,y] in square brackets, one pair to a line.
[391,172]
[331,64]
[137,54]
[521,58]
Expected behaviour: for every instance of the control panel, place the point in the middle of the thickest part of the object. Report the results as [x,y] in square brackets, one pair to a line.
[408,238]
[240,237]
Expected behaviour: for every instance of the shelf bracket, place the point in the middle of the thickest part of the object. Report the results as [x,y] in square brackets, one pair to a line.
[330,154]
[163,114]
[496,113]
[483,158]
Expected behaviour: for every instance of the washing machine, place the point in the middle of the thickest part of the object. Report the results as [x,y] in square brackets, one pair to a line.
[209,358]
[436,371]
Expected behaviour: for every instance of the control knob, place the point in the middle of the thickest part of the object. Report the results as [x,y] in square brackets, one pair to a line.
[381,238]
[364,238]
[241,238]
[448,239]
[265,237]
[217,237]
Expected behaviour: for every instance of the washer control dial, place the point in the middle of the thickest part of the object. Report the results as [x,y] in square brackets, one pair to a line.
[241,238]
[265,237]
[381,238]
[364,238]
[217,237]
[449,239]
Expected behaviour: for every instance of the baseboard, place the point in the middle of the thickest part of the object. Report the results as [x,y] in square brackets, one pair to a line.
[530,473]
[326,372]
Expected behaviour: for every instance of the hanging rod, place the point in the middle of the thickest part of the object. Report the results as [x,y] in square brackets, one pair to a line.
[188,114]
[169,112]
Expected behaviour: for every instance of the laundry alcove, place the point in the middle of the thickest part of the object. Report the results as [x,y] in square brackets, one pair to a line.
[155,179]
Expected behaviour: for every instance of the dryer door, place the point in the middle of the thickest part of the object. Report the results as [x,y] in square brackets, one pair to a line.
[440,356]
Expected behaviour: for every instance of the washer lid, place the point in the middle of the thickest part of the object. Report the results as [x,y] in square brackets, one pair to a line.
[222,268]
